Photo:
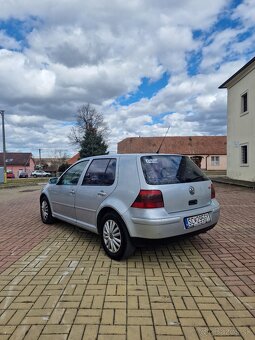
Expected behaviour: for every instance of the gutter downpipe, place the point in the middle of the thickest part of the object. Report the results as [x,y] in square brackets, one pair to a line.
[206,161]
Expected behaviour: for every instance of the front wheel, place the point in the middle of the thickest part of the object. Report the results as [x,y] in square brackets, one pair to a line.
[115,238]
[46,214]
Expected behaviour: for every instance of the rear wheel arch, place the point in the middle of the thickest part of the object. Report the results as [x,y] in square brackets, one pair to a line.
[102,213]
[105,211]
[108,218]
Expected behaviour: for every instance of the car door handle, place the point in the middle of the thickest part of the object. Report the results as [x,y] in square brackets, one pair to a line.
[72,192]
[101,193]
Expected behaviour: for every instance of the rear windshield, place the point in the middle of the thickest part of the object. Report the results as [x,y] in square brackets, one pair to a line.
[169,169]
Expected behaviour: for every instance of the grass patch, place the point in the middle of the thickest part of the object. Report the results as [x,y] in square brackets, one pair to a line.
[22,182]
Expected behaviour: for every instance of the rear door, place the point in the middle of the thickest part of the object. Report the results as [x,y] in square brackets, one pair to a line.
[98,183]
[181,181]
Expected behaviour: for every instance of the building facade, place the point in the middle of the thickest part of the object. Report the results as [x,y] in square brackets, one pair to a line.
[209,152]
[17,162]
[241,123]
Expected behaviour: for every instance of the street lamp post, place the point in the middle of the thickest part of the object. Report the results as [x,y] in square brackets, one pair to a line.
[4,147]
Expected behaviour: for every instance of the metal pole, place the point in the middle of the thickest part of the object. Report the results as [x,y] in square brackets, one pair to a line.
[40,159]
[4,147]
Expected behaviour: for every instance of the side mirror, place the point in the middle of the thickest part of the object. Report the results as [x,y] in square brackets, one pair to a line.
[53,180]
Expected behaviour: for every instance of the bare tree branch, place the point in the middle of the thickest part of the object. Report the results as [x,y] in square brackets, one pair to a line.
[88,122]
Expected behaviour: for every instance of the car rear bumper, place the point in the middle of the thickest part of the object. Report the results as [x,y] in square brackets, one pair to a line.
[170,226]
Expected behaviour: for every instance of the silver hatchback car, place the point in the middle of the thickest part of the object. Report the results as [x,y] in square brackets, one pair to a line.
[127,196]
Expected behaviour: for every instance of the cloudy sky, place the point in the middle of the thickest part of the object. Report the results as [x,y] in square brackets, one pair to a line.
[145,64]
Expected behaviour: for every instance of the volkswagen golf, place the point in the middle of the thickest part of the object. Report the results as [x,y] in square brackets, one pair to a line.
[128,196]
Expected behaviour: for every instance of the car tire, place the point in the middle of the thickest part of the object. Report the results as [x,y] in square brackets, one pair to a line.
[45,210]
[115,238]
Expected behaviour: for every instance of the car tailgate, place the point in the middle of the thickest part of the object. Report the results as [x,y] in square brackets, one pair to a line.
[186,196]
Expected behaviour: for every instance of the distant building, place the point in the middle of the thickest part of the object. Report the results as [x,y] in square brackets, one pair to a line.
[241,123]
[73,159]
[209,152]
[50,164]
[17,162]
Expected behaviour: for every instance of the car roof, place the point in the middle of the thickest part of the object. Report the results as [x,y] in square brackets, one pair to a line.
[128,155]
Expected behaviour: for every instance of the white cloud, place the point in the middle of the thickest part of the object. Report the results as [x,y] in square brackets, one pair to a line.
[19,79]
[246,12]
[31,133]
[8,42]
[96,51]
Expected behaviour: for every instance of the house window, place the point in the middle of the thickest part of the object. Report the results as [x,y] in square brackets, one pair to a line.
[244,154]
[244,102]
[215,160]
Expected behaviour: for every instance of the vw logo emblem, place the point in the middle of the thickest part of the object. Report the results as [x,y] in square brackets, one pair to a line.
[191,190]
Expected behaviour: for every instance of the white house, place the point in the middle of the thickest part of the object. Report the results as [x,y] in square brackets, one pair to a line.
[241,123]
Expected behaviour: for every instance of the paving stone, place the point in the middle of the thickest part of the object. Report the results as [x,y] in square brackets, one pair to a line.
[19,332]
[133,332]
[59,284]
[56,329]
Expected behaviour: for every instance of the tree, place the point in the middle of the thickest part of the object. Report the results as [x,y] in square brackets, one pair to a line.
[57,157]
[90,132]
[63,167]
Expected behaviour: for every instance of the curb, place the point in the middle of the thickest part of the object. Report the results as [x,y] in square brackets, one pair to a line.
[227,180]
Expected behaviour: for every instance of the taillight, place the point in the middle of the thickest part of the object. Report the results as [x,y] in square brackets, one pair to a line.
[212,192]
[148,199]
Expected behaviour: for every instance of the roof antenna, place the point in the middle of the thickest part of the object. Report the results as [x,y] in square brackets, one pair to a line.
[163,140]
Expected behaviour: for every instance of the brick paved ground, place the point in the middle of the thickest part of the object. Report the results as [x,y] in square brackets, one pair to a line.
[57,283]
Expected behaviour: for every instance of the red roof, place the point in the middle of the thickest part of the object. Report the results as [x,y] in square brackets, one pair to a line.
[74,159]
[16,158]
[188,145]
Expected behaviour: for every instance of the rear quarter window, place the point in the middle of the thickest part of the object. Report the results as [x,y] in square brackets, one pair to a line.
[170,169]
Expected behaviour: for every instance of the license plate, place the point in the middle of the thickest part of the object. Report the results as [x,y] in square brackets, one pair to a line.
[197,220]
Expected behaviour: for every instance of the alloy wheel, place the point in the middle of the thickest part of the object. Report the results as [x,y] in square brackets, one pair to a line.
[45,210]
[112,236]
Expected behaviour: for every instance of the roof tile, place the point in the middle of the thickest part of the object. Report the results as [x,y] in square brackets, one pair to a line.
[187,145]
[16,158]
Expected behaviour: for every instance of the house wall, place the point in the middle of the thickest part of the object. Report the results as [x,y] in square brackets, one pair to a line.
[207,164]
[241,129]
[16,169]
[183,145]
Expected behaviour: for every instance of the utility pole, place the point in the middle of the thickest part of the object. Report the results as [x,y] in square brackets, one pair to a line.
[4,147]
[40,158]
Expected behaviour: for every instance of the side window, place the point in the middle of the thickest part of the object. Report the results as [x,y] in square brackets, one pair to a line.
[100,172]
[215,160]
[244,154]
[244,102]
[72,175]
